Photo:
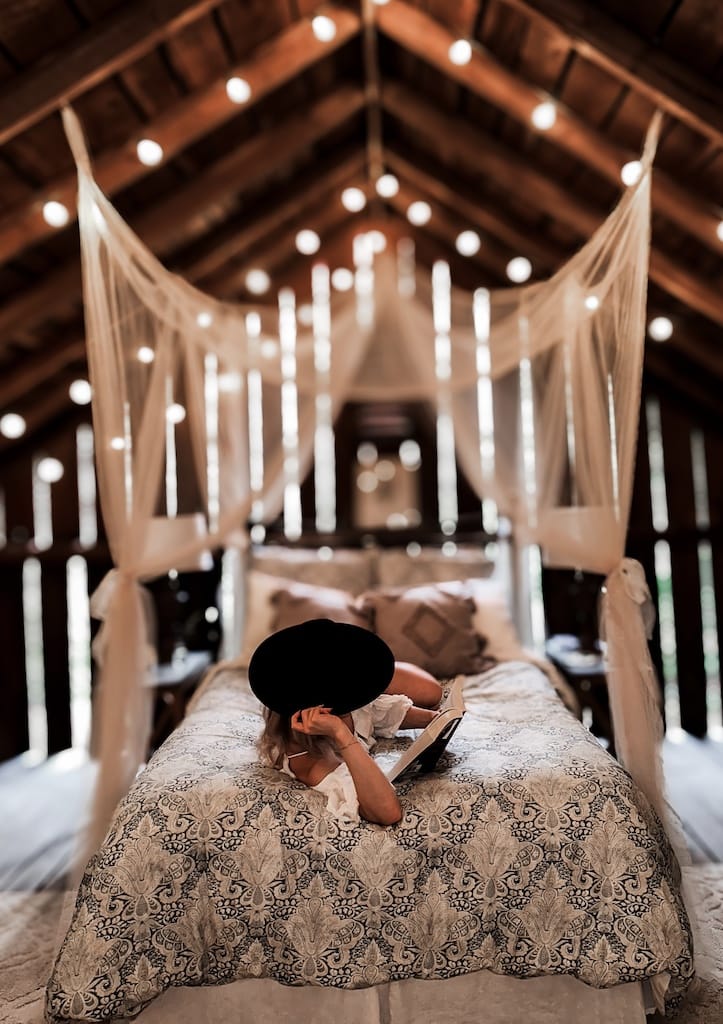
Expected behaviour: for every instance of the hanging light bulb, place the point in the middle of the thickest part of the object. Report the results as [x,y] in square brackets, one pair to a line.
[467,243]
[50,470]
[353,200]
[145,354]
[117,444]
[257,281]
[387,186]
[12,425]
[307,242]
[460,52]
[149,152]
[719,231]
[323,27]
[80,392]
[419,213]
[238,90]
[342,279]
[175,413]
[55,214]
[544,115]
[519,269]
[660,328]
[592,302]
[377,240]
[630,172]
[204,319]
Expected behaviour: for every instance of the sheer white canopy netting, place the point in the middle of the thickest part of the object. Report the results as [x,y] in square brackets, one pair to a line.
[537,390]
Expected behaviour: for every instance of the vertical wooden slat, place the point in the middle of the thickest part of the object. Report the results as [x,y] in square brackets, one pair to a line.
[14,735]
[55,654]
[714,472]
[64,493]
[676,429]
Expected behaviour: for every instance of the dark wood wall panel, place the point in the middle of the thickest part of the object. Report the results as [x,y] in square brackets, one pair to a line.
[683,538]
[55,654]
[714,468]
[14,738]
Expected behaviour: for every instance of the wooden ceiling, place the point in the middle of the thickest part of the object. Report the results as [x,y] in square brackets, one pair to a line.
[238,181]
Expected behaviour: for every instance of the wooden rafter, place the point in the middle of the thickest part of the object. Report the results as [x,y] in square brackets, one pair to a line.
[647,69]
[480,155]
[272,65]
[98,53]
[165,225]
[491,80]
[200,263]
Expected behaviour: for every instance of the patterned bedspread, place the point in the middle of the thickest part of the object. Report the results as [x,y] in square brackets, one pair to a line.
[530,852]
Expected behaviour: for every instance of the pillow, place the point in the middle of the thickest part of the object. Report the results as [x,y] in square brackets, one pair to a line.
[271,600]
[429,627]
[347,569]
[492,618]
[396,567]
[297,602]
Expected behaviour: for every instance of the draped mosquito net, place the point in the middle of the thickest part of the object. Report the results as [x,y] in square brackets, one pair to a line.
[536,388]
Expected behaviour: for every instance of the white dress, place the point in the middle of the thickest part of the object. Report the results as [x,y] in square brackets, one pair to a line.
[378,720]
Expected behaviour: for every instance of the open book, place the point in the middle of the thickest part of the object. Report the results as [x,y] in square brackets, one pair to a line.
[424,752]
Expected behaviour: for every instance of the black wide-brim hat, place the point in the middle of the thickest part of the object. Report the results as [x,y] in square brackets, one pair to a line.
[334,664]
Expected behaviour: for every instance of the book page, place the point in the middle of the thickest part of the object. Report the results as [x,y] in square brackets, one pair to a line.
[431,742]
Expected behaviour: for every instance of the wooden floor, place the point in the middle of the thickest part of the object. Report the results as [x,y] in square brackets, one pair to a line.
[42,803]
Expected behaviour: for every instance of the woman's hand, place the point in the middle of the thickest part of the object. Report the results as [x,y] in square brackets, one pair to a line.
[319,721]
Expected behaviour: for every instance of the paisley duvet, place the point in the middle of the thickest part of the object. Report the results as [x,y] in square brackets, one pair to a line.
[529,851]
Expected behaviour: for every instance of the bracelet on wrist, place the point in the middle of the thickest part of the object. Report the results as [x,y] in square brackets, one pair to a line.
[346,746]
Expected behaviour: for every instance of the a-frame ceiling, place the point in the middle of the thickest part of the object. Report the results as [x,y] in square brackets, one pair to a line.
[237,182]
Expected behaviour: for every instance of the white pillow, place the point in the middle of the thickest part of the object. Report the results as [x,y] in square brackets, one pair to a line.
[492,618]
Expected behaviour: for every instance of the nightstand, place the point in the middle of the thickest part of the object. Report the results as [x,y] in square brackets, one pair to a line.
[584,670]
[173,683]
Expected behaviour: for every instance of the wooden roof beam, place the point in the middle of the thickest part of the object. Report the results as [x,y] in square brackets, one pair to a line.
[99,52]
[493,82]
[36,369]
[603,41]
[270,66]
[163,226]
[480,155]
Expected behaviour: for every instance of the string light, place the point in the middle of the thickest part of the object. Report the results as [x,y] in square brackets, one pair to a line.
[149,152]
[323,28]
[467,243]
[719,231]
[117,444]
[238,90]
[342,279]
[55,214]
[387,186]
[175,413]
[419,213]
[204,319]
[460,52]
[50,470]
[592,302]
[12,425]
[660,328]
[353,200]
[544,115]
[305,314]
[257,282]
[80,392]
[630,172]
[519,269]
[145,354]
[307,242]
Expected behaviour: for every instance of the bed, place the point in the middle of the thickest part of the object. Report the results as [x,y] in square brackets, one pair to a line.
[527,870]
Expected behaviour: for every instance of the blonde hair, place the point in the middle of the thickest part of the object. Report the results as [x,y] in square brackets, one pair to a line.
[274,741]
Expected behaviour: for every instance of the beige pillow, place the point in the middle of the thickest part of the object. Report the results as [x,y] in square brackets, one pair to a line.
[298,602]
[492,618]
[429,627]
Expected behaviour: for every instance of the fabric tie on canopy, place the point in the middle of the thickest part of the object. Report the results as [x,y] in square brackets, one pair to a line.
[539,386]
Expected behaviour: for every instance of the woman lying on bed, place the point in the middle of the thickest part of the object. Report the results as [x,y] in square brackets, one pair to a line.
[330,690]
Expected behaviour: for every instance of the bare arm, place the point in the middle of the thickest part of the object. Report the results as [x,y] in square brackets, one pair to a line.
[378,800]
